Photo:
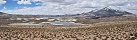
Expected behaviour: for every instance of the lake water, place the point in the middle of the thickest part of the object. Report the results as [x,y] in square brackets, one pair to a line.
[65,23]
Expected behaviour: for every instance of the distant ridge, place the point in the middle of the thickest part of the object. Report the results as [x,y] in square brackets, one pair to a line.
[105,12]
[98,13]
[1,13]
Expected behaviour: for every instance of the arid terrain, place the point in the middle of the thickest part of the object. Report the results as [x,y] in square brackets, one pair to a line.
[122,30]
[68,19]
[103,24]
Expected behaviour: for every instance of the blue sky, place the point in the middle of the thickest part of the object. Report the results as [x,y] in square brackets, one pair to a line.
[61,7]
[12,5]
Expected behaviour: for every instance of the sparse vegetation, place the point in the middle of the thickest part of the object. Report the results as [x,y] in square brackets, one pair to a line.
[102,28]
[106,19]
[115,30]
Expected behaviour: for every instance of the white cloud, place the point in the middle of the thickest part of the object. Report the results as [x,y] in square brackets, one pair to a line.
[51,9]
[74,6]
[24,2]
[2,2]
[36,0]
[4,8]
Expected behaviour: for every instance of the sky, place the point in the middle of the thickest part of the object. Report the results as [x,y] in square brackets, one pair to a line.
[61,7]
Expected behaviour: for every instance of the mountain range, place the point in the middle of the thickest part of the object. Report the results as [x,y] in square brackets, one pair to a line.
[1,13]
[105,12]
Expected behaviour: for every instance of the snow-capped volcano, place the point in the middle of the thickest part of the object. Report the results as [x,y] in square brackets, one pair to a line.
[106,12]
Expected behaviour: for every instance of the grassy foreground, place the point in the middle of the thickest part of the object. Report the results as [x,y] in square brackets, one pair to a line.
[123,30]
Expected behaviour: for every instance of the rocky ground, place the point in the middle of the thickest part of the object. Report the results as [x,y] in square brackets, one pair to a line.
[125,30]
